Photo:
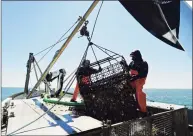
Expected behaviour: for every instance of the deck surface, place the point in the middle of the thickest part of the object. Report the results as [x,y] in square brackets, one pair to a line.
[60,121]
[164,105]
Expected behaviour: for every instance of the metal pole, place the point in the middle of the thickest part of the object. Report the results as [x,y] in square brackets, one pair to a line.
[36,74]
[64,46]
[28,72]
[46,82]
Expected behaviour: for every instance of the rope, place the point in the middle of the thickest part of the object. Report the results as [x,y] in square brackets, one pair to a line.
[61,37]
[51,47]
[96,20]
[44,112]
[106,49]
[76,128]
[69,75]
[46,53]
[106,53]
[60,40]
[86,51]
[90,38]
[34,110]
[69,82]
[101,48]
[94,53]
[84,56]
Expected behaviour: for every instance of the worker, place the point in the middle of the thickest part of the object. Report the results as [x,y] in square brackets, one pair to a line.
[138,70]
[84,72]
[59,74]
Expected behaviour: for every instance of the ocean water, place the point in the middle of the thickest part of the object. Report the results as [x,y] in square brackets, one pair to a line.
[8,91]
[172,96]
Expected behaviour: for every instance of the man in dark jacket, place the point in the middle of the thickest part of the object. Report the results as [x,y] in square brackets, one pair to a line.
[138,70]
[84,73]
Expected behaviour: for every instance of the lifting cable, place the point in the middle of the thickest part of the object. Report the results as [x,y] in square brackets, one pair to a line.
[105,49]
[94,54]
[69,76]
[60,40]
[83,57]
[51,47]
[102,49]
[90,38]
[93,31]
[96,20]
[61,37]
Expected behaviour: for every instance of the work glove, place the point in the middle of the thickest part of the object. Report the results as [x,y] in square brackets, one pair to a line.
[122,62]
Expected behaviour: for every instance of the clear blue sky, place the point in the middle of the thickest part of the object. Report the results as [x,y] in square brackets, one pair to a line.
[29,26]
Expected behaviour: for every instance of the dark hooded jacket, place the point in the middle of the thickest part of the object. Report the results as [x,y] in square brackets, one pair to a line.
[139,65]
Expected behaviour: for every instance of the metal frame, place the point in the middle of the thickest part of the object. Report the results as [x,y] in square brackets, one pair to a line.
[29,62]
[169,123]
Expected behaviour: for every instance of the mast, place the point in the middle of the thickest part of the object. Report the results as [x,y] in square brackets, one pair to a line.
[64,46]
[28,72]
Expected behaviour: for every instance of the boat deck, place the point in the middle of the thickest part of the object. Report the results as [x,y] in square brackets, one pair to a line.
[59,121]
[164,106]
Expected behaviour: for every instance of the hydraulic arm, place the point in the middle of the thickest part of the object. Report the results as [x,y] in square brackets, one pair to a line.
[59,74]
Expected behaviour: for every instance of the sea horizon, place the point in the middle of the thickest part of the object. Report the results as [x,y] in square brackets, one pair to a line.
[171,96]
[143,88]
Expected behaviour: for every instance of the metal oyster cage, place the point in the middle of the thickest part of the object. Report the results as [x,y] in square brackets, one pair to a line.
[109,94]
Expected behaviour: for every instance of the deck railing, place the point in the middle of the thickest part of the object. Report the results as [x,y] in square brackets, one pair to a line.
[169,123]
